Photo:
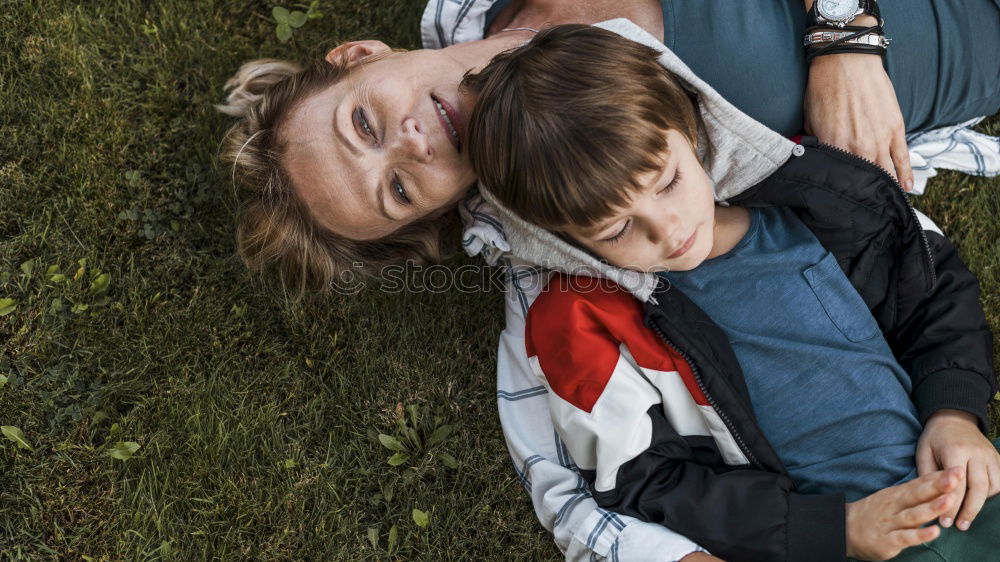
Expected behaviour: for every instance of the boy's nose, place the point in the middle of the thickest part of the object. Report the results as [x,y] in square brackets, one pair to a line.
[660,230]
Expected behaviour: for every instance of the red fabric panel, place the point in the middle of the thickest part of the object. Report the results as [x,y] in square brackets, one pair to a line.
[575,328]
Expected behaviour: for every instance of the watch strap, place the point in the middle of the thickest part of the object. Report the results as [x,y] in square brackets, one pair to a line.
[826,36]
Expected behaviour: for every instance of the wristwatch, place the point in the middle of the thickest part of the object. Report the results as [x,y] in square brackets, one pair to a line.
[838,12]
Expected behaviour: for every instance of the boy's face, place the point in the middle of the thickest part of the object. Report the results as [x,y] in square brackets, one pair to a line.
[668,225]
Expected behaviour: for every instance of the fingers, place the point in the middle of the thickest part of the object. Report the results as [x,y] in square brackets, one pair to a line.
[928,511]
[900,155]
[885,160]
[905,538]
[975,497]
[925,459]
[882,524]
[925,489]
[884,156]
[936,483]
[948,517]
[928,463]
[994,472]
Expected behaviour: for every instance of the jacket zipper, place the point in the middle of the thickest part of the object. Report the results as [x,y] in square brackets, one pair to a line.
[701,386]
[913,213]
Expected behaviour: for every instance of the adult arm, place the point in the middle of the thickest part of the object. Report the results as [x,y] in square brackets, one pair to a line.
[850,102]
[561,498]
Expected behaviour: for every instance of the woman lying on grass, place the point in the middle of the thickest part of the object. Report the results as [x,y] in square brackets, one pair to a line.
[351,161]
[358,158]
[762,394]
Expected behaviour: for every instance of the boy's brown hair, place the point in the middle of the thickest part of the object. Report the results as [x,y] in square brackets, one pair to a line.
[566,123]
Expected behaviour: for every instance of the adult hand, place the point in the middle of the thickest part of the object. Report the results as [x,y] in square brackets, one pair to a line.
[881,525]
[951,438]
[850,103]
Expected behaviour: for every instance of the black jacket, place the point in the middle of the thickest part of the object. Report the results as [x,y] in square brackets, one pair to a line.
[923,298]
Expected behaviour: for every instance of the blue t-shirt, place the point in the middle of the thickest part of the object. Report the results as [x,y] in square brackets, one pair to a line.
[828,392]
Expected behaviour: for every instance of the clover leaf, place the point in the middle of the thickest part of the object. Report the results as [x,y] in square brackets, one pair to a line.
[287,21]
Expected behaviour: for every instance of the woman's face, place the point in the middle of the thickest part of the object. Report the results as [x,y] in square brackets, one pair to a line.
[373,151]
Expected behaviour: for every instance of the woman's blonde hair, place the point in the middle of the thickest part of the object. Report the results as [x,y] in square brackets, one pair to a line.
[276,235]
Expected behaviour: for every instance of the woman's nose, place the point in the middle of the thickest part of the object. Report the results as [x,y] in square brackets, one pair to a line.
[413,143]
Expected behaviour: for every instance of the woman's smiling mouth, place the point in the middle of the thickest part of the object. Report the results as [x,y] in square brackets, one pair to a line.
[450,121]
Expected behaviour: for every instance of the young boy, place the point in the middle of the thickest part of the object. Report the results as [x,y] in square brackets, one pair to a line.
[788,349]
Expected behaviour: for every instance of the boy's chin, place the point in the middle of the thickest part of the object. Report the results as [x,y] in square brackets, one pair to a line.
[694,258]
[674,268]
[678,267]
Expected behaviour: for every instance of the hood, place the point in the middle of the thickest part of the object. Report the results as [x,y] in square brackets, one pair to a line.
[743,153]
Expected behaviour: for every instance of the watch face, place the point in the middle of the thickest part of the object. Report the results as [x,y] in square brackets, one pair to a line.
[837,10]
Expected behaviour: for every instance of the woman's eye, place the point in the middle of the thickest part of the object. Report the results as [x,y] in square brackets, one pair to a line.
[363,121]
[399,191]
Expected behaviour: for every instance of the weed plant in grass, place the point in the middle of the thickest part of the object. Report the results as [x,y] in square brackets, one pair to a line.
[241,427]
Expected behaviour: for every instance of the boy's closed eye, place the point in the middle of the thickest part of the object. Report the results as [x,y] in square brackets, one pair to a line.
[626,227]
[621,233]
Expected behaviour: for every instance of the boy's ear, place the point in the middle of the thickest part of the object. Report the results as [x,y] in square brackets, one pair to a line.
[351,53]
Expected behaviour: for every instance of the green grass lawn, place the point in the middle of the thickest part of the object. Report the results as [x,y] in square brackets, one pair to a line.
[257,421]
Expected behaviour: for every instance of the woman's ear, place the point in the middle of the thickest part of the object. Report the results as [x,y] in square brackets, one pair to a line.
[350,53]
